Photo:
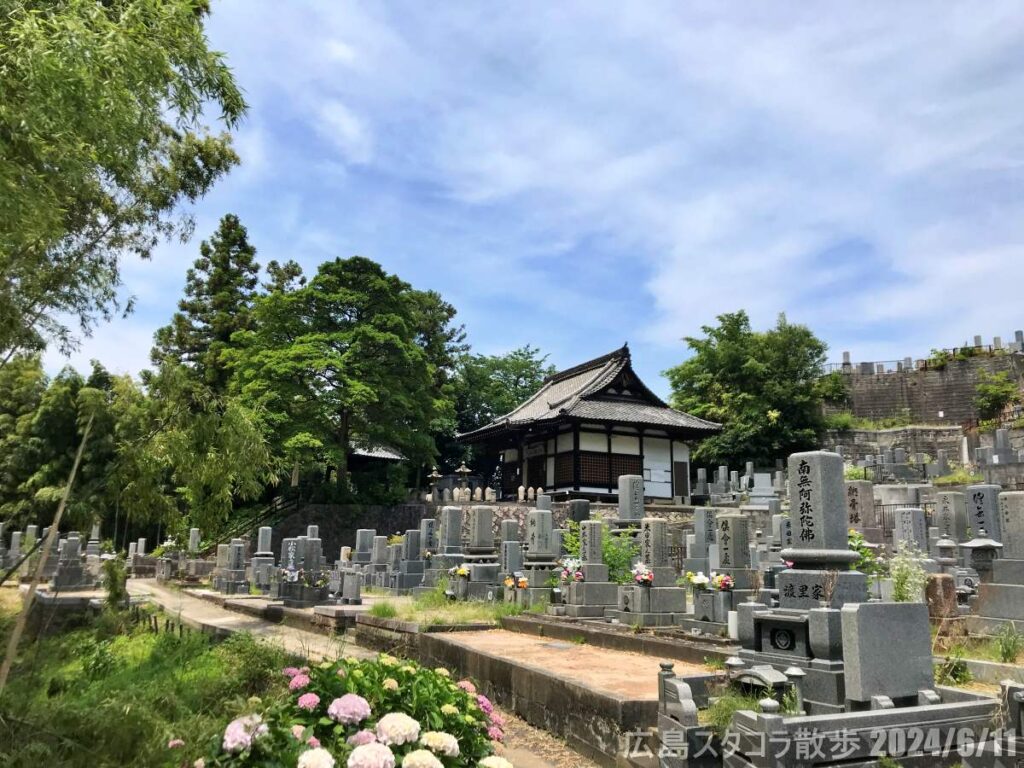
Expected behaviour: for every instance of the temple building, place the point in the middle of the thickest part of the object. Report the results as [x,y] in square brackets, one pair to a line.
[586,426]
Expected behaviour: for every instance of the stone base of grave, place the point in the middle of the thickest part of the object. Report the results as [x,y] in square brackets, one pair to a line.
[532,596]
[586,599]
[261,571]
[714,628]
[401,583]
[1007,571]
[199,569]
[297,595]
[711,606]
[584,611]
[72,580]
[1000,601]
[644,619]
[477,590]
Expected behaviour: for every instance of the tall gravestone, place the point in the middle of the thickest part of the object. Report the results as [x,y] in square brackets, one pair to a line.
[631,498]
[595,594]
[364,546]
[481,558]
[951,515]
[860,510]
[703,539]
[983,509]
[579,510]
[1001,601]
[659,602]
[262,565]
[910,529]
[820,551]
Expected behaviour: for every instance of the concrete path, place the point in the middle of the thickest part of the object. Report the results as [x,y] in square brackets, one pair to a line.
[212,618]
[621,674]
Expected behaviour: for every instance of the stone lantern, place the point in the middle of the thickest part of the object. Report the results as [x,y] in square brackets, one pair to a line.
[979,553]
[433,477]
[463,472]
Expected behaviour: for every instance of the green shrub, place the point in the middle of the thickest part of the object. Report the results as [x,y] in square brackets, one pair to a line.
[993,392]
[115,580]
[842,422]
[1009,643]
[953,670]
[619,551]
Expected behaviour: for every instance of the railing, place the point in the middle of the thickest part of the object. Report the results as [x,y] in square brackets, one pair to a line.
[886,514]
[278,509]
[937,360]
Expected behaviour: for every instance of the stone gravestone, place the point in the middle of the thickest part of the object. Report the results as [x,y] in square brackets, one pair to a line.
[860,510]
[481,559]
[652,605]
[887,651]
[543,501]
[703,538]
[70,575]
[951,515]
[262,565]
[579,510]
[592,596]
[820,551]
[983,509]
[540,558]
[451,532]
[631,497]
[364,546]
[509,530]
[194,540]
[428,536]
[910,529]
[1002,600]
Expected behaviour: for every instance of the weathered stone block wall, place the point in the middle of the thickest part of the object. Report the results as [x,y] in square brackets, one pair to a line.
[858,443]
[924,394]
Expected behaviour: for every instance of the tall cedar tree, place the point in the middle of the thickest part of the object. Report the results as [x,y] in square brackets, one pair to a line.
[336,362]
[219,292]
[101,144]
[762,386]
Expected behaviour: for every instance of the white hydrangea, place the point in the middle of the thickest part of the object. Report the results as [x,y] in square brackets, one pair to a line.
[316,758]
[397,728]
[421,758]
[441,743]
[493,761]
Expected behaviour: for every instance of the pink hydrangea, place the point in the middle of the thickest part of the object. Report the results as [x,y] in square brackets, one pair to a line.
[308,701]
[373,755]
[350,708]
[297,731]
[362,737]
[175,743]
[467,686]
[494,733]
[241,732]
[313,741]
[298,682]
[290,671]
[485,704]
[496,719]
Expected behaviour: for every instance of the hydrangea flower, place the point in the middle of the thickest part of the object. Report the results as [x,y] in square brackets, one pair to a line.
[421,758]
[313,741]
[199,763]
[315,758]
[241,732]
[371,756]
[175,743]
[290,671]
[485,704]
[397,728]
[298,682]
[493,761]
[496,719]
[442,672]
[297,731]
[390,684]
[349,709]
[440,742]
[362,737]
[409,670]
[342,672]
[308,701]
[494,733]
[449,709]
[467,686]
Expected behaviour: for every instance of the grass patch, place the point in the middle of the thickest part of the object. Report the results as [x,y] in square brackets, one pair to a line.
[114,693]
[385,609]
[958,477]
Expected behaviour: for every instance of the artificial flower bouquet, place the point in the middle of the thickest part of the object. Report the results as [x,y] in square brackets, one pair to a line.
[571,569]
[723,582]
[642,574]
[697,580]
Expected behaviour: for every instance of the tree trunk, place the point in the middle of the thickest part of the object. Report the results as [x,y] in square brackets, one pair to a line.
[342,478]
[295,474]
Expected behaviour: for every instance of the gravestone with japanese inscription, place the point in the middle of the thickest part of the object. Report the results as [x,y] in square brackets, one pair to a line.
[983,509]
[591,593]
[860,510]
[704,532]
[631,498]
[653,601]
[910,529]
[951,515]
[1002,600]
[540,559]
[481,556]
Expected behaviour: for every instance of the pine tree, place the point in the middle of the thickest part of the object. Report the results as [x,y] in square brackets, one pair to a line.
[219,292]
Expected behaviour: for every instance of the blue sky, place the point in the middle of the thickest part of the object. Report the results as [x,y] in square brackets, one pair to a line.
[576,175]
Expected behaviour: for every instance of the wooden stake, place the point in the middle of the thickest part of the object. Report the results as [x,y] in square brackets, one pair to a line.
[19,627]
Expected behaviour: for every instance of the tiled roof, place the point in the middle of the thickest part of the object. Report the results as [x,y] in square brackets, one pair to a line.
[573,393]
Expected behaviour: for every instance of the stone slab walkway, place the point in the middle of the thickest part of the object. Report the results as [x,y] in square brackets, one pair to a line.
[621,674]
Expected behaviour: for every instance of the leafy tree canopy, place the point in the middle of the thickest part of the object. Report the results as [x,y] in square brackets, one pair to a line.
[101,142]
[761,385]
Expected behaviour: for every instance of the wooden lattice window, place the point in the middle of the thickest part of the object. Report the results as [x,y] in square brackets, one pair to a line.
[593,469]
[563,470]
[624,464]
